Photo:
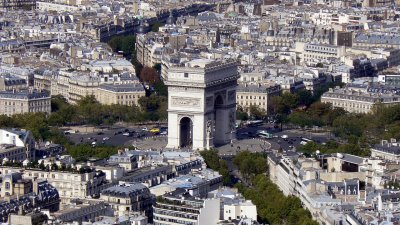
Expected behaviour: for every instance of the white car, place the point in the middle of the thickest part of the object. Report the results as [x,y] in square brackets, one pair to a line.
[106,138]
[164,132]
[145,129]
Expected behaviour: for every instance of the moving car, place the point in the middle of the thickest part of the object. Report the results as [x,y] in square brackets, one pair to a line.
[155,130]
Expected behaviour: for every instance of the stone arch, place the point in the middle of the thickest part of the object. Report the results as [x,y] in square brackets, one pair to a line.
[185,132]
[219,118]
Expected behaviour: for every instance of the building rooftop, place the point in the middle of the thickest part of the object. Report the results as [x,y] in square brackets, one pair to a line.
[124,189]
[24,94]
[122,87]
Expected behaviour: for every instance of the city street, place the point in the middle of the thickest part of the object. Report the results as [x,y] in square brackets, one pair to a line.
[246,139]
[112,137]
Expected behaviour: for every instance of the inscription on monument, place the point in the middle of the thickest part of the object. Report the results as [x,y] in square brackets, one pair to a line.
[185,101]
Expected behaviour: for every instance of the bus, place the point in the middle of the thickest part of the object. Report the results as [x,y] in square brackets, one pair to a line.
[264,134]
[304,141]
[255,123]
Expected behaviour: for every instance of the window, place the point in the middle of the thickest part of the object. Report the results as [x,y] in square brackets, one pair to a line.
[186,75]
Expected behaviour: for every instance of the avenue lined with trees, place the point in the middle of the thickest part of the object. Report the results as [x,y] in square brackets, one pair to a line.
[273,207]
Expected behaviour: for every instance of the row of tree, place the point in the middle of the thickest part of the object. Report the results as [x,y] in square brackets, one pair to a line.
[272,205]
[358,131]
[333,147]
[124,44]
[214,162]
[83,152]
[86,111]
[283,105]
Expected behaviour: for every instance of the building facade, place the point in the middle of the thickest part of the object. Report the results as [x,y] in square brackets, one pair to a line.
[26,101]
[177,209]
[358,100]
[129,197]
[124,94]
[16,145]
[256,95]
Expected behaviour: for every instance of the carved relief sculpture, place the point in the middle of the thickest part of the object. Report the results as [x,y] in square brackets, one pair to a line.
[185,101]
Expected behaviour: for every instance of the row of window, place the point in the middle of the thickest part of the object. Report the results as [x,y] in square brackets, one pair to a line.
[351,104]
[314,47]
[247,103]
[251,97]
[127,96]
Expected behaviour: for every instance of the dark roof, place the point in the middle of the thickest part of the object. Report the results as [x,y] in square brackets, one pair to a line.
[122,87]
[24,94]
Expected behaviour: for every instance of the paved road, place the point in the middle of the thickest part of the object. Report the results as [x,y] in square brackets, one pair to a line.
[293,140]
[246,139]
[111,137]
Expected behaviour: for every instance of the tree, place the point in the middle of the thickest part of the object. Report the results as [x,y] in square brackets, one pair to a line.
[241,114]
[161,89]
[156,26]
[149,75]
[157,67]
[305,98]
[213,161]
[115,43]
[251,164]
[128,45]
[256,112]
[319,65]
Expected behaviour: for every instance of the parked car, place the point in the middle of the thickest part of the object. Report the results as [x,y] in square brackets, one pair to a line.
[127,134]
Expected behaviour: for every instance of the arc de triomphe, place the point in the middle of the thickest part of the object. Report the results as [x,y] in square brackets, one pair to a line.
[202,103]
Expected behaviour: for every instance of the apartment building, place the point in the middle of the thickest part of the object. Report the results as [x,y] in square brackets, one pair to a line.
[16,145]
[313,53]
[24,101]
[233,205]
[178,207]
[129,197]
[10,82]
[388,150]
[391,80]
[82,86]
[377,40]
[42,80]
[319,188]
[70,185]
[359,100]
[58,7]
[258,95]
[21,196]
[18,4]
[150,47]
[82,210]
[124,94]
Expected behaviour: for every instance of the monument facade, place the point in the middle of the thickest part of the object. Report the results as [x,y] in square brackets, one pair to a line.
[202,103]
